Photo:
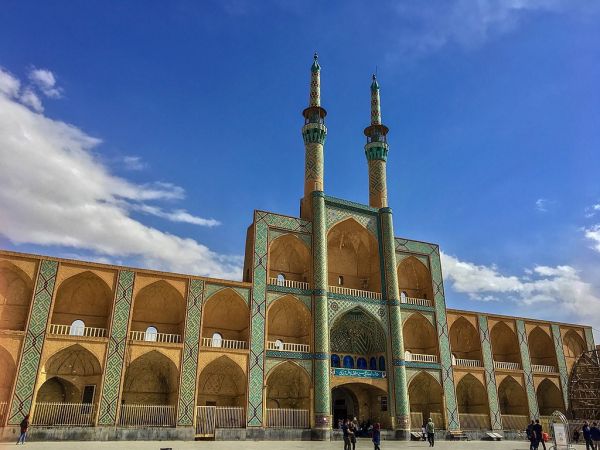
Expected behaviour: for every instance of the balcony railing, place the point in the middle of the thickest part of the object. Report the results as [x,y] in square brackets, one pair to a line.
[543,368]
[155,337]
[467,362]
[417,301]
[147,416]
[287,347]
[355,292]
[64,414]
[228,344]
[210,417]
[287,418]
[514,422]
[70,330]
[503,365]
[470,421]
[417,357]
[289,283]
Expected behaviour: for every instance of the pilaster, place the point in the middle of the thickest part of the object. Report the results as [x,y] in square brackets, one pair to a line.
[562,363]
[490,375]
[589,339]
[526,363]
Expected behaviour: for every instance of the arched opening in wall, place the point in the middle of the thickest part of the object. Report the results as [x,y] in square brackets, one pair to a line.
[353,257]
[426,400]
[549,398]
[573,347]
[505,346]
[367,403]
[227,314]
[57,390]
[16,291]
[7,378]
[222,383]
[288,321]
[541,351]
[357,334]
[514,408]
[472,401]
[151,379]
[414,279]
[465,343]
[420,339]
[288,386]
[161,306]
[289,259]
[83,298]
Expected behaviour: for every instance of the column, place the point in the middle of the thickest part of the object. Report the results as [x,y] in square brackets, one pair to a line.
[562,363]
[527,372]
[490,374]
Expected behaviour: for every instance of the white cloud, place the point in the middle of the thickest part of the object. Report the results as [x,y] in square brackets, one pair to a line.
[593,234]
[55,192]
[30,98]
[46,82]
[178,215]
[541,204]
[591,211]
[134,163]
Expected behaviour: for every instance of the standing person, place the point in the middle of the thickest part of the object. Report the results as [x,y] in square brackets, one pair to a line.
[24,428]
[353,429]
[539,434]
[424,432]
[531,435]
[595,434]
[587,436]
[576,435]
[430,428]
[346,434]
[376,436]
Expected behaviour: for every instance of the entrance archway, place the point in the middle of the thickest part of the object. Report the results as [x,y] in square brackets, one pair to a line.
[426,400]
[16,290]
[365,402]
[549,398]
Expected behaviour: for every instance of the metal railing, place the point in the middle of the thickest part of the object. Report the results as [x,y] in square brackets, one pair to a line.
[469,421]
[3,412]
[289,283]
[543,368]
[507,365]
[417,301]
[64,414]
[155,337]
[224,343]
[467,362]
[287,347]
[417,357]
[287,418]
[355,292]
[514,422]
[70,330]
[147,416]
[230,417]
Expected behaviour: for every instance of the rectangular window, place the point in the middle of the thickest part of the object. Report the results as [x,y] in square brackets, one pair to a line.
[88,393]
[383,402]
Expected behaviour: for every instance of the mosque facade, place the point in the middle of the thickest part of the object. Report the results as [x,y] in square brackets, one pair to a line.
[335,317]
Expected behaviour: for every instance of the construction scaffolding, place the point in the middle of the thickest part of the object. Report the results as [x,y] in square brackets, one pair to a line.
[584,387]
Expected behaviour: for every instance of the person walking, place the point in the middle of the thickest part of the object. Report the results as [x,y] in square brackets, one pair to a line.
[587,436]
[539,434]
[595,435]
[430,428]
[346,434]
[24,428]
[531,435]
[353,432]
[376,436]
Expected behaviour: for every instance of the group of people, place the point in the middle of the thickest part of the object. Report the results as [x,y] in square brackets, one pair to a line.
[351,430]
[536,435]
[591,436]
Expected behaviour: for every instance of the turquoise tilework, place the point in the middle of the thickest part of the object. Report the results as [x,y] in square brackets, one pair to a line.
[273,296]
[306,238]
[589,339]
[526,360]
[212,289]
[562,363]
[490,375]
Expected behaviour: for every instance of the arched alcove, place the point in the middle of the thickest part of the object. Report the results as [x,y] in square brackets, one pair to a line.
[159,305]
[472,401]
[58,390]
[361,400]
[414,279]
[222,383]
[16,291]
[512,398]
[541,348]
[151,379]
[505,345]
[464,340]
[288,320]
[288,386]
[427,398]
[573,347]
[353,257]
[290,257]
[7,374]
[226,313]
[419,335]
[549,398]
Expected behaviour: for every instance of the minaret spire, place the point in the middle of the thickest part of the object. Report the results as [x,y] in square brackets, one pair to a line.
[376,151]
[313,133]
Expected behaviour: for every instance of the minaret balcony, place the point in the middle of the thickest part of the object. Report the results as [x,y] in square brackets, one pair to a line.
[354,292]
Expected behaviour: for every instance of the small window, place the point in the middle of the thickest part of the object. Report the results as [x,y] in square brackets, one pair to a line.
[77,328]
[361,363]
[348,362]
[151,334]
[335,360]
[279,344]
[382,363]
[340,280]
[403,297]
[280,279]
[217,340]
[373,363]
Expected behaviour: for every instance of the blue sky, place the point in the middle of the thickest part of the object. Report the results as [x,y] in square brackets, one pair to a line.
[146,133]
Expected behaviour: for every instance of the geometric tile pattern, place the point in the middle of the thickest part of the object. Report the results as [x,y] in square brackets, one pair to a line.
[211,289]
[271,363]
[490,375]
[529,385]
[33,342]
[115,357]
[589,339]
[337,308]
[189,363]
[306,238]
[305,299]
[336,214]
[562,364]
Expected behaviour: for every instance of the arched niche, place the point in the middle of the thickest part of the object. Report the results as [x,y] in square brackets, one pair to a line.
[226,313]
[58,390]
[414,279]
[288,320]
[426,397]
[541,348]
[290,257]
[353,257]
[7,374]
[419,335]
[159,305]
[151,379]
[472,402]
[16,291]
[505,345]
[573,347]
[288,386]
[549,398]
[358,333]
[361,400]
[84,297]
[222,383]
[464,340]
[512,398]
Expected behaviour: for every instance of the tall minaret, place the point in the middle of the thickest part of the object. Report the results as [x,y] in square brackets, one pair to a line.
[313,132]
[376,151]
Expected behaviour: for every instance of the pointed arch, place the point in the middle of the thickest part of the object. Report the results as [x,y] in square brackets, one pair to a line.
[225,312]
[512,398]
[505,345]
[289,320]
[357,332]
[541,348]
[222,383]
[472,401]
[151,379]
[85,297]
[426,397]
[464,340]
[419,335]
[573,347]
[353,256]
[7,374]
[549,398]
[159,305]
[58,390]
[289,256]
[288,386]
[16,291]
[414,279]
